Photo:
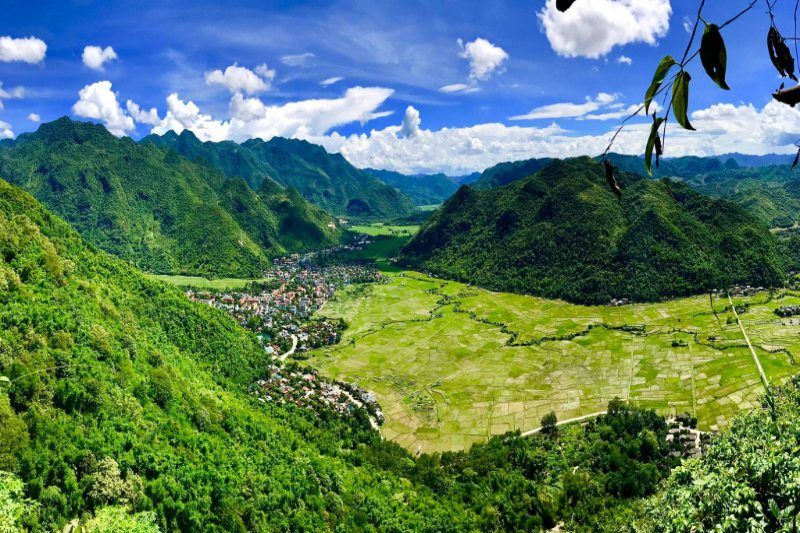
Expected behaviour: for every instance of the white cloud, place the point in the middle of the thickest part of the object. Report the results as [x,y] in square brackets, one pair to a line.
[5,130]
[411,123]
[568,109]
[143,117]
[97,101]
[330,81]
[484,58]
[297,60]
[593,28]
[15,93]
[95,57]
[240,79]
[186,115]
[26,49]
[624,60]
[251,118]
[34,117]
[459,88]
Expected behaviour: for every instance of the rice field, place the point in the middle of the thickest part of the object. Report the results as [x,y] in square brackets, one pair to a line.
[452,364]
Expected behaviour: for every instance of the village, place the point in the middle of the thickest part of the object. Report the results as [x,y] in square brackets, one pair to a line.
[279,309]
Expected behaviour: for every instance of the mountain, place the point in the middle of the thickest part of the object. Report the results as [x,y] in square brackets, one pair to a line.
[561,233]
[128,407]
[157,209]
[504,173]
[466,179]
[423,189]
[118,390]
[327,180]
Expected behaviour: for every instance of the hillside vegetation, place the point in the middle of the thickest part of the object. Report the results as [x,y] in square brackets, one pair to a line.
[122,402]
[561,233]
[157,209]
[324,179]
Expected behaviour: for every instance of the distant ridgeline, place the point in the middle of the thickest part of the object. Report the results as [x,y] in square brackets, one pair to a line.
[561,233]
[423,189]
[157,209]
[327,180]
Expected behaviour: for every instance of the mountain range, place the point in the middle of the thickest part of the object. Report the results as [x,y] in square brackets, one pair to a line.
[326,180]
[157,209]
[562,233]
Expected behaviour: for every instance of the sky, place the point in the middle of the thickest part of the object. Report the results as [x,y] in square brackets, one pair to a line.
[412,86]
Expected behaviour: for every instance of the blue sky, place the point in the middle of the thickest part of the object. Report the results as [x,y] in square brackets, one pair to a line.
[519,86]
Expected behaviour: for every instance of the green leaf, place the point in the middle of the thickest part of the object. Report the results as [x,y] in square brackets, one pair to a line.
[661,72]
[714,56]
[680,99]
[651,141]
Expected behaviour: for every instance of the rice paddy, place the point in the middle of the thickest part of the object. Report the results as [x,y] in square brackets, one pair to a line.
[453,364]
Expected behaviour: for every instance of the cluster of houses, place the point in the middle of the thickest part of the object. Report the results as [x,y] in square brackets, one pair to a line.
[279,309]
[743,290]
[687,441]
[787,311]
[306,389]
[615,302]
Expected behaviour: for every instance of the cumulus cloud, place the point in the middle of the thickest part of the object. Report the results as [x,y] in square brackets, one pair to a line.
[95,57]
[34,117]
[411,123]
[98,102]
[484,58]
[251,118]
[593,29]
[568,109]
[5,130]
[141,116]
[15,93]
[624,60]
[240,79]
[25,49]
[330,81]
[721,128]
[297,60]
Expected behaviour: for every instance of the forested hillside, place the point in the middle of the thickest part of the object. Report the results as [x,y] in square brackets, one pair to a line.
[157,209]
[324,179]
[505,173]
[562,233]
[118,395]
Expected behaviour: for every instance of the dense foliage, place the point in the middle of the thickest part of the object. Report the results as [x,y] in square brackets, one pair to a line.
[561,233]
[324,179]
[423,189]
[157,209]
[505,173]
[128,403]
[749,480]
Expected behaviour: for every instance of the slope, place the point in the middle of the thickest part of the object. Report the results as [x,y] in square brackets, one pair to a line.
[561,233]
[156,209]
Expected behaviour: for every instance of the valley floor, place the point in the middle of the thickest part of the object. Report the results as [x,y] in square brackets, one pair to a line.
[453,364]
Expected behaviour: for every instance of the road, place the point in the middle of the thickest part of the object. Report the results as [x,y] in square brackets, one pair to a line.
[565,422]
[291,350]
[752,351]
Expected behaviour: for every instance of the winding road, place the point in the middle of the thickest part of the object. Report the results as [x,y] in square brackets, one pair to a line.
[565,422]
[291,350]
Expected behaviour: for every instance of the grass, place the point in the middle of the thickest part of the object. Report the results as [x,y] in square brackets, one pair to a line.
[202,283]
[453,364]
[381,229]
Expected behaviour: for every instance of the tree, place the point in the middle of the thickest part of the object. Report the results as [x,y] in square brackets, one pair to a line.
[549,423]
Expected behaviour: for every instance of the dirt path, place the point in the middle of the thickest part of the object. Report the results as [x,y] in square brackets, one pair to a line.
[565,422]
[752,351]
